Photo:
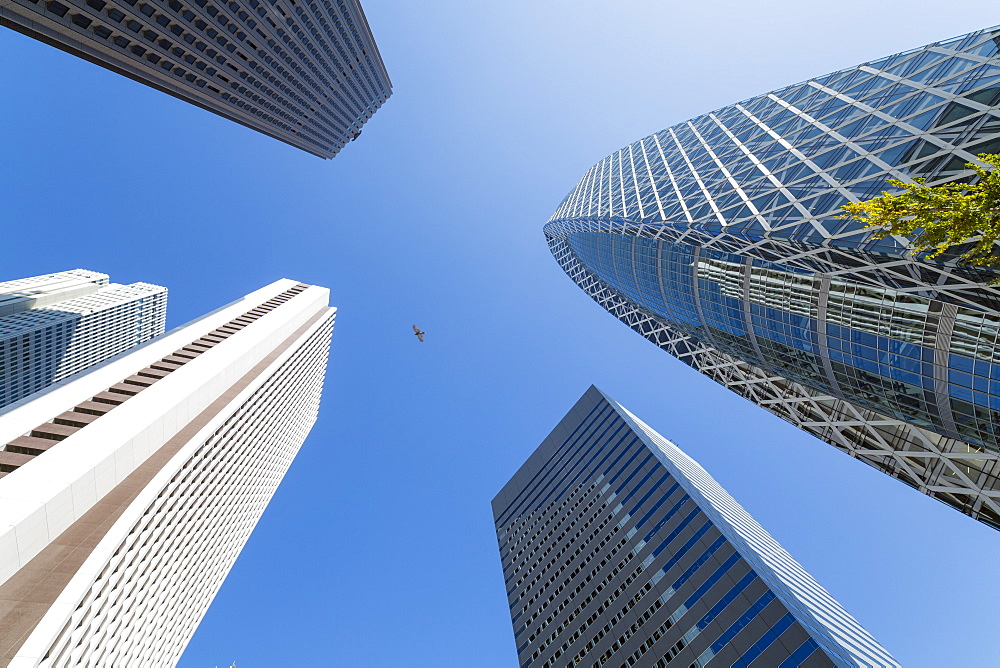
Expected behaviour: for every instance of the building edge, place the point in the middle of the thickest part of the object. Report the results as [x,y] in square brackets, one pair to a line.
[54,624]
[839,633]
[88,465]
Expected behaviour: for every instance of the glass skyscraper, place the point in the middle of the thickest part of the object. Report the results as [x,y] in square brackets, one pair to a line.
[620,550]
[719,240]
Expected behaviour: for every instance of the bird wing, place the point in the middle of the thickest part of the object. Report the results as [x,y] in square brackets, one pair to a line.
[420,336]
[416,329]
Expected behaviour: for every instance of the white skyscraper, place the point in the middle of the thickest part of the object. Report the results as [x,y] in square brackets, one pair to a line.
[130,491]
[56,325]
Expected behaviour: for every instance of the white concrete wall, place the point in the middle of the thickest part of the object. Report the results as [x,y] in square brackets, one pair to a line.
[165,603]
[44,497]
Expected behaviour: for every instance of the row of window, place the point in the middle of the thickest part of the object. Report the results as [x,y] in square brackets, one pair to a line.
[634,599]
[504,521]
[557,555]
[598,588]
[584,545]
[153,560]
[631,577]
[291,124]
[552,480]
[607,540]
[894,364]
[68,342]
[584,512]
[549,514]
[621,524]
[660,631]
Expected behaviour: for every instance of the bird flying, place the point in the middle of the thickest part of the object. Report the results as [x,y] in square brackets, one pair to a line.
[418,333]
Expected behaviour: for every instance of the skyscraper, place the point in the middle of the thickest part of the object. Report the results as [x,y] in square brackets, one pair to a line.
[619,550]
[306,73]
[718,240]
[138,483]
[56,325]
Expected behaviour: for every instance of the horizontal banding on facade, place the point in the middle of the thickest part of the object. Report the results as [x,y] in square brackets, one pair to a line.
[41,499]
[35,588]
[132,385]
[618,549]
[307,74]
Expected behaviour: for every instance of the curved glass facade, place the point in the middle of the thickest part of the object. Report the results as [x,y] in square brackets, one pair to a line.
[718,239]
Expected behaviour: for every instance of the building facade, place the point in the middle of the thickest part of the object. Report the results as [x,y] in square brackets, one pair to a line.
[619,550]
[306,73]
[719,240]
[56,325]
[127,494]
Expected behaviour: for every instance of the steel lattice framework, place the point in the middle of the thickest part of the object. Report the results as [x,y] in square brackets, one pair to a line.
[718,240]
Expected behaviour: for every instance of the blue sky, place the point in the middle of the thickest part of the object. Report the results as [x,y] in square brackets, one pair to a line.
[379,549]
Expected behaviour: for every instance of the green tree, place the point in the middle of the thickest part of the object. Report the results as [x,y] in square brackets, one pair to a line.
[935,218]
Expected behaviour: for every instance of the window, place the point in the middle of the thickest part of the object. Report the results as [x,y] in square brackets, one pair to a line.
[57,8]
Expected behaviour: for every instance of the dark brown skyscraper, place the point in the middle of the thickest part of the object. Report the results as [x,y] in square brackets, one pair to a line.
[306,72]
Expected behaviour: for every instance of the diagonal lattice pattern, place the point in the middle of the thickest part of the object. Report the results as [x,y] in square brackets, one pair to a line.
[717,239]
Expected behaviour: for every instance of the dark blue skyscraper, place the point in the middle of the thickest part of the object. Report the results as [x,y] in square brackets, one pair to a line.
[620,550]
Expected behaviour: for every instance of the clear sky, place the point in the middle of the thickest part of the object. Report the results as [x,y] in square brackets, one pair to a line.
[379,548]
